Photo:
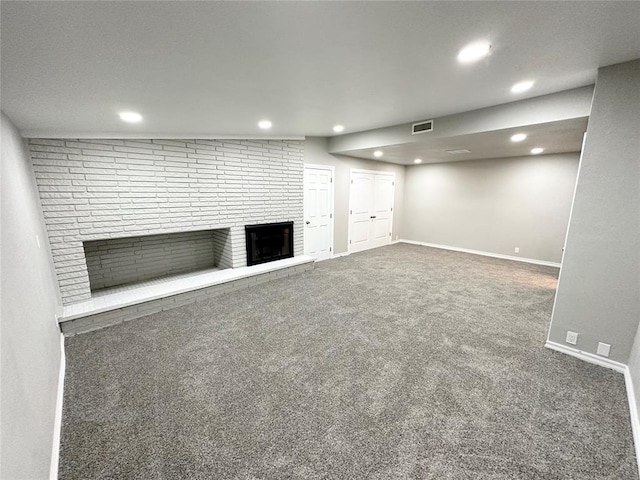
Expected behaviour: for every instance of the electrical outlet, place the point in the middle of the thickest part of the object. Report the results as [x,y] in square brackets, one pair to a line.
[572,338]
[517,249]
[603,349]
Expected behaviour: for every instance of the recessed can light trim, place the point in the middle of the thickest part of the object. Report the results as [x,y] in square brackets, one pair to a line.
[518,137]
[130,117]
[522,86]
[417,160]
[537,150]
[378,153]
[474,51]
[264,124]
[338,128]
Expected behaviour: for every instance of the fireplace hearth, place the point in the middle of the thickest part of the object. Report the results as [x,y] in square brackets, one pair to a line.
[269,242]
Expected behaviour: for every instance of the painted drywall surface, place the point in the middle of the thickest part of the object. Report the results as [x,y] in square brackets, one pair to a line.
[547,108]
[493,205]
[315,152]
[634,368]
[30,336]
[598,292]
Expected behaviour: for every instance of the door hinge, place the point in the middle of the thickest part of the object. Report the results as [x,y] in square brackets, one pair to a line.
[331,215]
[330,249]
[389,233]
[351,182]
[331,180]
[349,241]
[350,212]
[393,184]
[392,209]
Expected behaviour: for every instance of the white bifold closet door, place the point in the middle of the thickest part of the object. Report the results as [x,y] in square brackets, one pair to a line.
[371,209]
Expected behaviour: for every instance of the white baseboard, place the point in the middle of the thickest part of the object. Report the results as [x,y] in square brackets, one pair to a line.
[633,411]
[347,253]
[57,424]
[618,367]
[484,254]
[587,357]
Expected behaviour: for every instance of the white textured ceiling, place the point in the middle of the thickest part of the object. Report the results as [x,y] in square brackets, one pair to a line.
[217,68]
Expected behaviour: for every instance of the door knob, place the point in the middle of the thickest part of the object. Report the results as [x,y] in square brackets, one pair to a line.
[307,222]
[373,216]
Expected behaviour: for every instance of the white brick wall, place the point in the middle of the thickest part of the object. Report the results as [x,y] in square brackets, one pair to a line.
[98,189]
[222,254]
[119,261]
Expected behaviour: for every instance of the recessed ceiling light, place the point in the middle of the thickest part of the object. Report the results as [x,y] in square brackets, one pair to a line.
[378,153]
[537,150]
[518,137]
[264,124]
[130,117]
[474,52]
[338,128]
[522,86]
[417,160]
[458,151]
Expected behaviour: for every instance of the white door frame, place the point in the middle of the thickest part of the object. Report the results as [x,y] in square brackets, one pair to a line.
[332,212]
[393,200]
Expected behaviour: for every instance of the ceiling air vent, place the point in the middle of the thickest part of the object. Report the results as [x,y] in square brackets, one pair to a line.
[459,151]
[422,127]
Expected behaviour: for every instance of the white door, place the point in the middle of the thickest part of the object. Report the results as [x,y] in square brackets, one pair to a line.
[383,190]
[318,211]
[361,233]
[371,209]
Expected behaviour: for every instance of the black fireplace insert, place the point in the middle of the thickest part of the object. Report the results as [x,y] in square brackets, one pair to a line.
[269,242]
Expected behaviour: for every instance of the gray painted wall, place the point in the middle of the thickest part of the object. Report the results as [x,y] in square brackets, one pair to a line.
[493,205]
[599,292]
[30,336]
[315,152]
[634,368]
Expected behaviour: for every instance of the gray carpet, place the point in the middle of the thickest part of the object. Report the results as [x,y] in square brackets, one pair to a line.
[400,362]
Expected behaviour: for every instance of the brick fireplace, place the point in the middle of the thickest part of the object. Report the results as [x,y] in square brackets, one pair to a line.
[98,190]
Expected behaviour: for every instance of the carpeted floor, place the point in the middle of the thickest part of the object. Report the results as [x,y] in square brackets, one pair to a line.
[400,362]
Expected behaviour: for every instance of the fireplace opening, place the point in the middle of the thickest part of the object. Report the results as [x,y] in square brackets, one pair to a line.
[269,242]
